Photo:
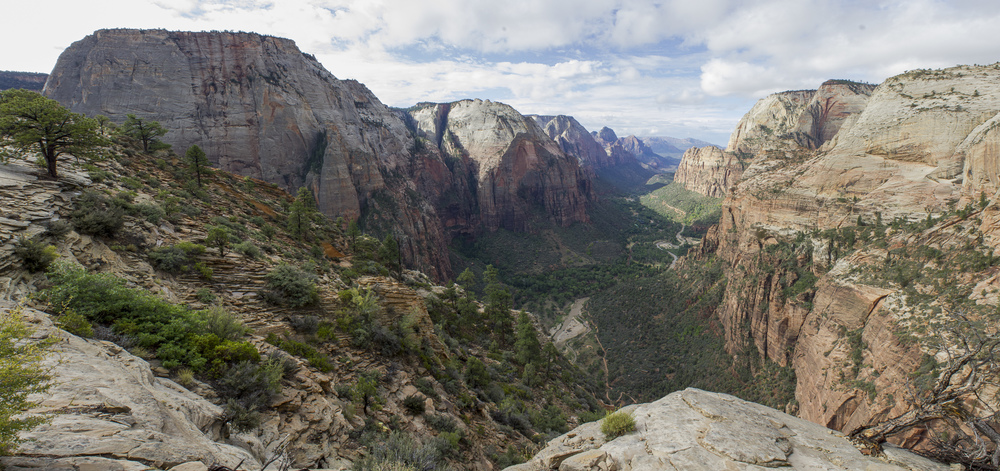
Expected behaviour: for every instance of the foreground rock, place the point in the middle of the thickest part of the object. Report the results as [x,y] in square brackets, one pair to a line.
[699,430]
[110,412]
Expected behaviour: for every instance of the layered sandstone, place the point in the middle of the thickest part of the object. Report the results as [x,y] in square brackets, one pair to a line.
[924,141]
[710,171]
[516,165]
[810,118]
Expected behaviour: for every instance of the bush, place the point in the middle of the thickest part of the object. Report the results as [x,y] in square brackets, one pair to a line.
[248,388]
[223,324]
[426,387]
[290,286]
[58,228]
[398,452]
[75,324]
[414,404]
[34,254]
[441,423]
[249,249]
[96,215]
[617,423]
[204,295]
[306,325]
[175,258]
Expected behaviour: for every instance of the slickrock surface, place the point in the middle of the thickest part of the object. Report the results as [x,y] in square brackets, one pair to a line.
[698,430]
[110,412]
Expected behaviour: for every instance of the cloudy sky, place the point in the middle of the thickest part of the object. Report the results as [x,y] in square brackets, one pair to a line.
[680,68]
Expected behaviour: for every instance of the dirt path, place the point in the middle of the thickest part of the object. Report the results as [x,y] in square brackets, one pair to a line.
[604,365]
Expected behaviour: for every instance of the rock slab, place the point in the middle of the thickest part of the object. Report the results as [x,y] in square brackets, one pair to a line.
[699,430]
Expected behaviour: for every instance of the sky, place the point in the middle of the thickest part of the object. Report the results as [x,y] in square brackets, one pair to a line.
[679,68]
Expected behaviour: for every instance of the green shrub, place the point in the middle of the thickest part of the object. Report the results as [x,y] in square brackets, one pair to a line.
[414,404]
[398,452]
[248,388]
[21,374]
[58,228]
[177,258]
[290,286]
[96,215]
[617,423]
[441,423]
[426,386]
[34,254]
[249,249]
[204,295]
[75,324]
[223,324]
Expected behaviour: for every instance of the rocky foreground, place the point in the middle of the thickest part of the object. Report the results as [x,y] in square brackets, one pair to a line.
[699,430]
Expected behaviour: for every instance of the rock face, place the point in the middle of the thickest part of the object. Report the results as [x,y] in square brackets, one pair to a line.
[515,165]
[923,141]
[574,140]
[111,412]
[709,170]
[809,117]
[259,107]
[698,430]
[622,149]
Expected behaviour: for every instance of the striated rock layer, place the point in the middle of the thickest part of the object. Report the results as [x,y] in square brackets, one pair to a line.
[924,141]
[709,170]
[698,430]
[259,107]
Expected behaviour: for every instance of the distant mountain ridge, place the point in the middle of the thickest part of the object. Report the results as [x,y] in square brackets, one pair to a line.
[26,80]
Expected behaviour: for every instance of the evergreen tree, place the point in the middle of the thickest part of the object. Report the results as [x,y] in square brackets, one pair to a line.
[526,348]
[197,162]
[146,131]
[30,121]
[498,304]
[301,214]
[353,232]
[218,236]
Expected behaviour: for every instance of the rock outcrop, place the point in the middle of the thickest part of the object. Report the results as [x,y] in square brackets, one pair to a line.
[515,165]
[697,430]
[809,117]
[110,412]
[710,171]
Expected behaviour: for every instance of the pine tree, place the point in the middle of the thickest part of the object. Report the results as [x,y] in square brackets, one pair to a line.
[197,162]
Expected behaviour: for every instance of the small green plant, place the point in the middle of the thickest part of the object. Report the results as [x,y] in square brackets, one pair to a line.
[291,286]
[204,295]
[75,324]
[617,423]
[34,254]
[21,374]
[185,377]
[414,404]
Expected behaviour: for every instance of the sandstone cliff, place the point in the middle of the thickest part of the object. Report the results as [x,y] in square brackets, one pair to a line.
[516,166]
[261,108]
[809,117]
[25,80]
[709,170]
[625,149]
[810,250]
[574,140]
[697,430]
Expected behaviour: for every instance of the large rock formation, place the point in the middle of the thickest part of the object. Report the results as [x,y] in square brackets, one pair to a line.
[697,430]
[620,149]
[924,142]
[809,117]
[574,140]
[25,80]
[516,165]
[260,107]
[710,171]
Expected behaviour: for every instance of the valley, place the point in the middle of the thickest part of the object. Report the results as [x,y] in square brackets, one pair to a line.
[468,287]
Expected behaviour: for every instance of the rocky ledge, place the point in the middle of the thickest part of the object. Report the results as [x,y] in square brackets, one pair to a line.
[698,430]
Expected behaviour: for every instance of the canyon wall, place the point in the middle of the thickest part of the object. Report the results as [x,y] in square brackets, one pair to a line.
[851,157]
[710,171]
[260,107]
